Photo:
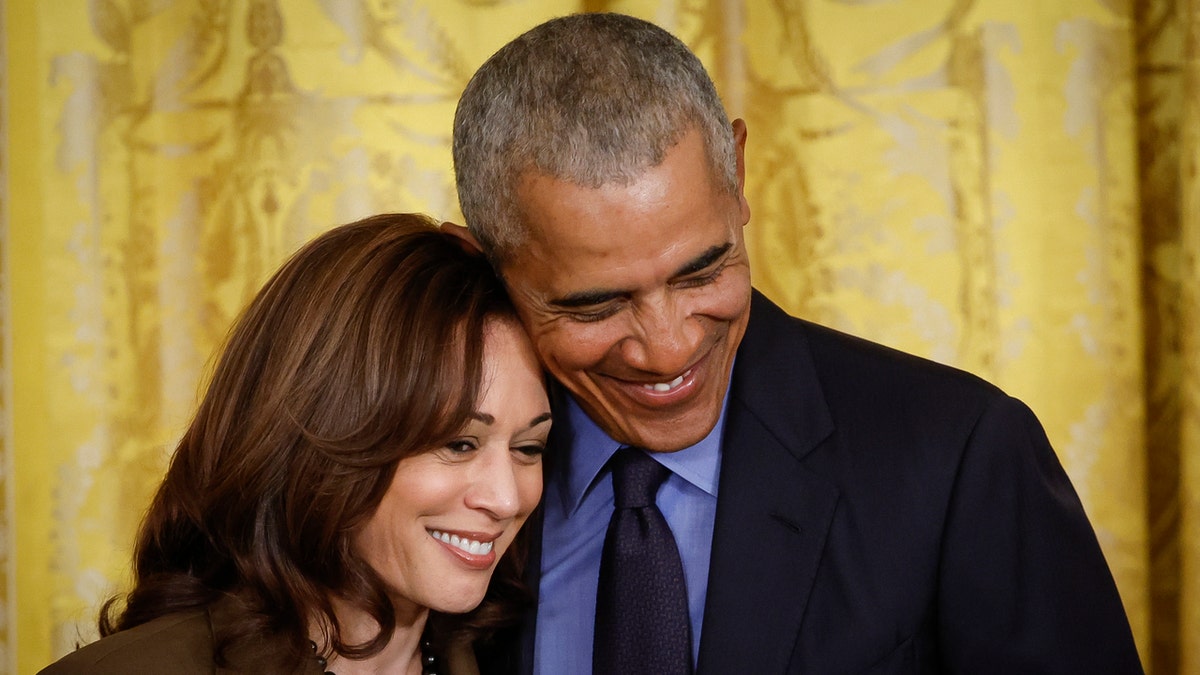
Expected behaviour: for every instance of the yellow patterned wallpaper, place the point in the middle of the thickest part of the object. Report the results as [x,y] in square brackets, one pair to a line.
[6,382]
[907,160]
[1004,185]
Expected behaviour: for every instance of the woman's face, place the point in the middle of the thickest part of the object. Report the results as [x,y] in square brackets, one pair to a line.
[451,512]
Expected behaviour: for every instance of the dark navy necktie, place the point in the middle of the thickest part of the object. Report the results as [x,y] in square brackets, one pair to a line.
[642,623]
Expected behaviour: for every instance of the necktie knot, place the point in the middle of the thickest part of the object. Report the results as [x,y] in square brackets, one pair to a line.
[636,478]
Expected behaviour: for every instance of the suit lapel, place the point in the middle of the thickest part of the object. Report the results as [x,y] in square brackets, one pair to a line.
[773,513]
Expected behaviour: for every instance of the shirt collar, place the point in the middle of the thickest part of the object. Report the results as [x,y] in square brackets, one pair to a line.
[588,448]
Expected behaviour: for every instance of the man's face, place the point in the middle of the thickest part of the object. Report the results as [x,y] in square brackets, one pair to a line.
[637,296]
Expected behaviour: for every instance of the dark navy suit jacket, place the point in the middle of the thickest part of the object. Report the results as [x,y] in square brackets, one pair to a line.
[880,513]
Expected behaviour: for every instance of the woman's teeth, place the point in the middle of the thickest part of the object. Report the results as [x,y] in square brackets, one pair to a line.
[469,545]
[665,386]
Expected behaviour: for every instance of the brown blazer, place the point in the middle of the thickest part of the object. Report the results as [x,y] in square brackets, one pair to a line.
[182,644]
[176,644]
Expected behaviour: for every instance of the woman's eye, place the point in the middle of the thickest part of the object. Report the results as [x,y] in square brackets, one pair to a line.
[534,450]
[460,446]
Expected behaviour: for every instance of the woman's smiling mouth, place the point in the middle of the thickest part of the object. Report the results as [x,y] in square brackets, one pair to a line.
[470,546]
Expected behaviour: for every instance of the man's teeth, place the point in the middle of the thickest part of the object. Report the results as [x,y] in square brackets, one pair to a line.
[469,545]
[665,386]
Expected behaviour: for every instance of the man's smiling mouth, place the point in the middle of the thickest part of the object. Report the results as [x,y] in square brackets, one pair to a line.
[667,386]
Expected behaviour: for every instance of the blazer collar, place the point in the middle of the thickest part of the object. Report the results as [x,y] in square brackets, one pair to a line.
[775,379]
[773,512]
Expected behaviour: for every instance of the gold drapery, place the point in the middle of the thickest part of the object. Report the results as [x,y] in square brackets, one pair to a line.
[1009,186]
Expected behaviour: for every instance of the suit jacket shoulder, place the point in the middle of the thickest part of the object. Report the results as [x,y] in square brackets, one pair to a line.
[879,512]
[848,376]
[176,644]
[179,644]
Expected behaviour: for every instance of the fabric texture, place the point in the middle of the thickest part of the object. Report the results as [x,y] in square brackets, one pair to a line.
[576,510]
[176,644]
[641,607]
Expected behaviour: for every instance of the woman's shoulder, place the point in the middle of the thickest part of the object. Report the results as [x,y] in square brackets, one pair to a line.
[177,643]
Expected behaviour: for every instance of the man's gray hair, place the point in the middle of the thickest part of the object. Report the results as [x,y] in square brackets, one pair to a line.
[592,99]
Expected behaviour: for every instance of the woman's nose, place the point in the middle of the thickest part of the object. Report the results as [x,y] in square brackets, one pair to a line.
[494,486]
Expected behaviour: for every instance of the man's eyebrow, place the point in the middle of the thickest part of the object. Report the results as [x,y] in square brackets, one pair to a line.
[598,296]
[704,260]
[588,298]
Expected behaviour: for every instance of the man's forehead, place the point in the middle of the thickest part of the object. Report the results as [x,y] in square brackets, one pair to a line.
[564,272]
[665,223]
[604,221]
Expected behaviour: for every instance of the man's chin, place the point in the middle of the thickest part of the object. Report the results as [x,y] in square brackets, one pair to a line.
[668,429]
[656,438]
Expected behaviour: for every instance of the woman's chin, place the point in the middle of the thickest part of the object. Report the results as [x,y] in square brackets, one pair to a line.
[458,603]
[456,607]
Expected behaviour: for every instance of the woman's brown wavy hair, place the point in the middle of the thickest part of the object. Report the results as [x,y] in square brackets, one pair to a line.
[365,347]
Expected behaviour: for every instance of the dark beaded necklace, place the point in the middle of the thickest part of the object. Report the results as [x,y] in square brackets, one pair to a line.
[428,659]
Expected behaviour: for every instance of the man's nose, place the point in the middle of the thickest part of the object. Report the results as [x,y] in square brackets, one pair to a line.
[664,339]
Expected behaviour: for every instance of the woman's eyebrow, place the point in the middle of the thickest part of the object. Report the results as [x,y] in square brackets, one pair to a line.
[491,419]
[544,417]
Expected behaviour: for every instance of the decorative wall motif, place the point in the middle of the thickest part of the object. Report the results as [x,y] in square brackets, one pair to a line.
[6,445]
[1008,186]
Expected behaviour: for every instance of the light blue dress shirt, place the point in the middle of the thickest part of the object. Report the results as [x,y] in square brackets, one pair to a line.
[578,506]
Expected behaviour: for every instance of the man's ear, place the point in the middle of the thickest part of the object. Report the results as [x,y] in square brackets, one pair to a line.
[739,137]
[465,239]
